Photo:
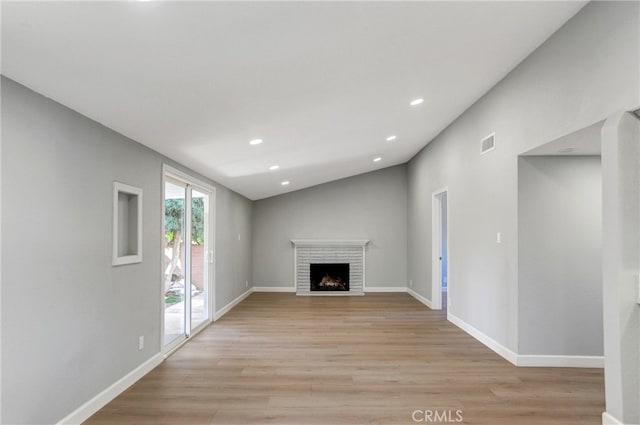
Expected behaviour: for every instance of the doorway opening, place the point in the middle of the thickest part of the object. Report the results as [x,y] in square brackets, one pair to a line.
[441,296]
[187,252]
[560,246]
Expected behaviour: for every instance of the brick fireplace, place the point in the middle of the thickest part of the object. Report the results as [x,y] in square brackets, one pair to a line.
[329,267]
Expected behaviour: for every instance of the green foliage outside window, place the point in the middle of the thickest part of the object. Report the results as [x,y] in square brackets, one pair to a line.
[174,219]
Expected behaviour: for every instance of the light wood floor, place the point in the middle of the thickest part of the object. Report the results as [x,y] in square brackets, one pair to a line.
[282,359]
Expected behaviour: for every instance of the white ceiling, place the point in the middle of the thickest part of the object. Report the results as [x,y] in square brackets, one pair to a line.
[323,83]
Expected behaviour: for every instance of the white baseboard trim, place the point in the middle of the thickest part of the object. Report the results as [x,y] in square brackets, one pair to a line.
[526,360]
[85,411]
[385,289]
[608,419]
[485,339]
[419,297]
[560,361]
[274,289]
[224,310]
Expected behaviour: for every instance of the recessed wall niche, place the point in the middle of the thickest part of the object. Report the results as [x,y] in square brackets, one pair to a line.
[127,224]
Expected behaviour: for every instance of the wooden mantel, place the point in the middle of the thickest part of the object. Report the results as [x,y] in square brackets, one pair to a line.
[330,242]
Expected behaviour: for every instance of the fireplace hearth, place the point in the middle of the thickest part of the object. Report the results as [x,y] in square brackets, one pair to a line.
[329,277]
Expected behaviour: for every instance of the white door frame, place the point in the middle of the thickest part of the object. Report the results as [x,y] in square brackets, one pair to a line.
[436,248]
[169,172]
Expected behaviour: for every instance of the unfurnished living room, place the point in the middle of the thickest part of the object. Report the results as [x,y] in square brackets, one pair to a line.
[349,212]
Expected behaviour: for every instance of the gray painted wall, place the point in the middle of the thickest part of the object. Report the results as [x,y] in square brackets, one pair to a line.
[70,321]
[370,206]
[560,256]
[233,256]
[583,73]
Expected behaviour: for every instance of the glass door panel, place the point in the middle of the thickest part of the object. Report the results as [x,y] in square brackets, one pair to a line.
[199,258]
[174,265]
[188,261]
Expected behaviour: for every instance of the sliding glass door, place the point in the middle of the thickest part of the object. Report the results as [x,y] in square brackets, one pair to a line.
[187,259]
[175,195]
[199,261]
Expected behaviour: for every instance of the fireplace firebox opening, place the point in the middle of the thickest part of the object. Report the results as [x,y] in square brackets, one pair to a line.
[329,276]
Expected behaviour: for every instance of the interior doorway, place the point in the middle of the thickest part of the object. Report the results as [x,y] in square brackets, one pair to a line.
[441,296]
[560,246]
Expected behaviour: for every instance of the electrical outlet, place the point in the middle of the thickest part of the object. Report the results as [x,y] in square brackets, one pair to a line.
[246,283]
[238,236]
[140,342]
[498,237]
[410,282]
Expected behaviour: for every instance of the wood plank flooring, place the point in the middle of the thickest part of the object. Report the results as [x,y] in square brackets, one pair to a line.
[282,359]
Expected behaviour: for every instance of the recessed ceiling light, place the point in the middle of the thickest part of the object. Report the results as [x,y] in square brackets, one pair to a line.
[391,138]
[416,102]
[284,183]
[274,167]
[377,159]
[255,142]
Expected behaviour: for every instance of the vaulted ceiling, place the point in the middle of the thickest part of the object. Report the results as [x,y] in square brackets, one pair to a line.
[322,84]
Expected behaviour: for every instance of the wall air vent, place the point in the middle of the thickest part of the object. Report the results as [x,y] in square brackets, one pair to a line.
[488,143]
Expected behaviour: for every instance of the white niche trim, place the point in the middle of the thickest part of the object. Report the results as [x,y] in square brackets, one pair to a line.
[127,224]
